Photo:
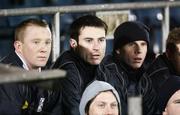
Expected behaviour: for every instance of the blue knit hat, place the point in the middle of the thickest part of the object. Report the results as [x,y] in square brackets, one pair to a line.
[130,31]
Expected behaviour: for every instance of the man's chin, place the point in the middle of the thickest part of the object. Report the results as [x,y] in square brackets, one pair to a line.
[41,65]
[136,66]
[95,63]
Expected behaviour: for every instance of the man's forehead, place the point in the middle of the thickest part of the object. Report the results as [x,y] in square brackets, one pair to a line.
[92,32]
[137,41]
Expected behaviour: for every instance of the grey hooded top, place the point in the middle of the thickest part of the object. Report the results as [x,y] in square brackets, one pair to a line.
[93,90]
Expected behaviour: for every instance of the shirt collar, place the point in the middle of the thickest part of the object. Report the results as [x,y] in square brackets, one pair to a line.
[24,62]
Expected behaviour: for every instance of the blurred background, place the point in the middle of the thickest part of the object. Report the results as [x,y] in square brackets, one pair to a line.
[151,17]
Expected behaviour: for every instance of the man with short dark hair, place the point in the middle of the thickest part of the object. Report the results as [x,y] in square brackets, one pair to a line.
[88,44]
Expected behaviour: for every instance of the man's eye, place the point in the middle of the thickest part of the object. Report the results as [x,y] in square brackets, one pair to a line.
[131,44]
[36,42]
[177,102]
[144,44]
[102,40]
[114,105]
[88,40]
[101,105]
[48,42]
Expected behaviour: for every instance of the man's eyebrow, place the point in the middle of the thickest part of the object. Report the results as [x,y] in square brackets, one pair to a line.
[101,101]
[177,100]
[49,39]
[36,39]
[101,38]
[94,38]
[115,102]
[88,38]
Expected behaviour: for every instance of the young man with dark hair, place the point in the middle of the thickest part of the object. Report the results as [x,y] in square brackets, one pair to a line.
[88,44]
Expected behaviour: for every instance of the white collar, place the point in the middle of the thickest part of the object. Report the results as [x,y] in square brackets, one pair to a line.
[24,62]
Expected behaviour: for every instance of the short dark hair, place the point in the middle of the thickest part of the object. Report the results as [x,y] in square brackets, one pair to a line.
[87,20]
[173,39]
[29,22]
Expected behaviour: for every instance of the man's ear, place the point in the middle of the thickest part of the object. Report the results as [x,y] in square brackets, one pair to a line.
[18,46]
[165,112]
[73,43]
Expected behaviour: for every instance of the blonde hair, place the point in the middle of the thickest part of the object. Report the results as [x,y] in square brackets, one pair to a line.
[19,31]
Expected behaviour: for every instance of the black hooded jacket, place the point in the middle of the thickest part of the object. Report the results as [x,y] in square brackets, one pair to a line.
[79,75]
[158,72]
[127,82]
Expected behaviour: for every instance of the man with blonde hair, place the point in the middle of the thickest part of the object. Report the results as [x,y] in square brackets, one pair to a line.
[32,50]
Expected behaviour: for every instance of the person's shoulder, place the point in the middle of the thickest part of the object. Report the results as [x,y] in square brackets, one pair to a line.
[108,64]
[12,59]
[7,58]
[157,66]
[64,59]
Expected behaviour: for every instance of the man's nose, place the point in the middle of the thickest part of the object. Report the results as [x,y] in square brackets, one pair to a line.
[96,46]
[138,49]
[43,47]
[109,110]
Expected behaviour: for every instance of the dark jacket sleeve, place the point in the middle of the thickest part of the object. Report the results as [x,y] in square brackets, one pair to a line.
[101,73]
[111,75]
[13,96]
[71,91]
[148,95]
[56,97]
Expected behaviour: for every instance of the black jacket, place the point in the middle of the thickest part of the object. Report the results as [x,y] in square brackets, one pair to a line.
[158,72]
[24,98]
[79,74]
[127,82]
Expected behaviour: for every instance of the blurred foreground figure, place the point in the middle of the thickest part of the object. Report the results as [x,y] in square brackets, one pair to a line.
[169,97]
[100,98]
